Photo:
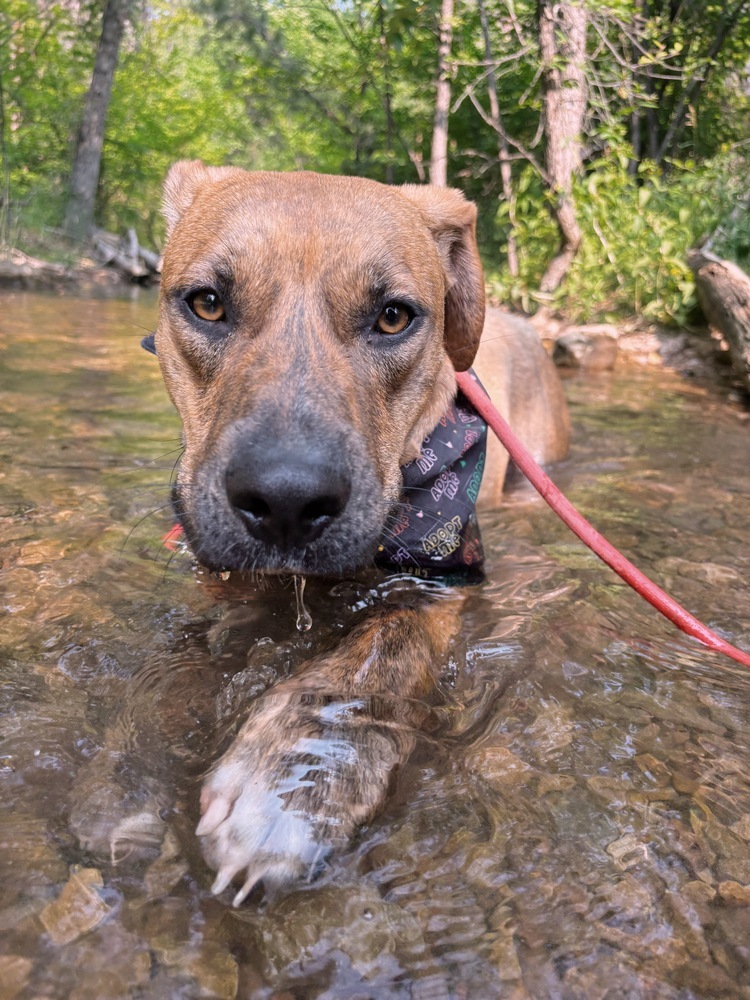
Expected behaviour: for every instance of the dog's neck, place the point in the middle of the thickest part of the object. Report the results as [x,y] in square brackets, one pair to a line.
[434,530]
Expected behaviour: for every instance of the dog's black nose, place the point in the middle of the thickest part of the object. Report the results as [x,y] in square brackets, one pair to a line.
[287,499]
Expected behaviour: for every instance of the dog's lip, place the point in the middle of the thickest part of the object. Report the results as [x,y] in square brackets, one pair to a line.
[284,567]
[257,558]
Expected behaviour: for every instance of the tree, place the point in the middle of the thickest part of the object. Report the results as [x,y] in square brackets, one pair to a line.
[728,19]
[562,46]
[506,178]
[671,67]
[45,62]
[439,155]
[84,179]
[636,147]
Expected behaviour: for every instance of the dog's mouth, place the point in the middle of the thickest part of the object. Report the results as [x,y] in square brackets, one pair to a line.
[231,548]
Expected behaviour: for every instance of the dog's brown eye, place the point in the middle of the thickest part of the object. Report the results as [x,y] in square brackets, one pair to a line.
[207,305]
[394,318]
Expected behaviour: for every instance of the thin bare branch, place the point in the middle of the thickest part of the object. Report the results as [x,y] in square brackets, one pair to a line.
[634,67]
[728,21]
[525,154]
[490,70]
[515,22]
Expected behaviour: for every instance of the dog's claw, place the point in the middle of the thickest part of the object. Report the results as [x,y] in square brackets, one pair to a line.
[223,879]
[227,874]
[217,808]
[251,881]
[247,828]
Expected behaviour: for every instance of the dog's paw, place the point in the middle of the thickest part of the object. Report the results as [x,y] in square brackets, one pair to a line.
[248,829]
[302,774]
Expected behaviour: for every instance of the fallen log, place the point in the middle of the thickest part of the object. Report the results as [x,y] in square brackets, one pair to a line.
[724,295]
[126,254]
[109,250]
[150,259]
[18,268]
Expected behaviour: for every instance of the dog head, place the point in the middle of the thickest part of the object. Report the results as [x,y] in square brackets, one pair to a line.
[308,335]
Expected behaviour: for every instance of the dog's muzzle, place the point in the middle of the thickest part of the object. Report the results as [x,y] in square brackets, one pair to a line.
[298,505]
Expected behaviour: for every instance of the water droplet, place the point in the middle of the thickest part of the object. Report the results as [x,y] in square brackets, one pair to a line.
[304,620]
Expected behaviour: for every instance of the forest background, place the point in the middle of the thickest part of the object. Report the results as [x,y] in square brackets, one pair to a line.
[601,141]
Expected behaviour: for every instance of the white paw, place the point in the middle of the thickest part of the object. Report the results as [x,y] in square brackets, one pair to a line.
[248,827]
[115,822]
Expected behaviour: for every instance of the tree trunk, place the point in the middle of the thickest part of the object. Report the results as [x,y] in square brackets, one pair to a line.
[562,44]
[635,114]
[439,155]
[5,195]
[652,119]
[84,180]
[387,96]
[635,142]
[502,143]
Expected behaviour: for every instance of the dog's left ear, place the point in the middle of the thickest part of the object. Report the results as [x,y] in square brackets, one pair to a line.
[453,222]
[184,181]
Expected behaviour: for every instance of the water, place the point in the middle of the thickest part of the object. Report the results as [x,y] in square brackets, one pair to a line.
[303,620]
[573,823]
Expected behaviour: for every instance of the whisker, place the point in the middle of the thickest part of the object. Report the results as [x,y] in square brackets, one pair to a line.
[146,463]
[167,565]
[140,521]
[485,340]
[142,490]
[174,467]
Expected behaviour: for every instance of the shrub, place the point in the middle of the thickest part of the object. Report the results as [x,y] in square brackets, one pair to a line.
[636,235]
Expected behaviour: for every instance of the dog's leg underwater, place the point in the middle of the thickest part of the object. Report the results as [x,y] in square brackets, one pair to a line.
[317,754]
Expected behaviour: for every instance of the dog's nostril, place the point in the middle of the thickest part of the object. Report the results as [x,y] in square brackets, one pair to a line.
[252,504]
[321,509]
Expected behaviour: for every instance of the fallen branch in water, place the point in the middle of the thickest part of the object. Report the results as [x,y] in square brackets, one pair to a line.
[724,294]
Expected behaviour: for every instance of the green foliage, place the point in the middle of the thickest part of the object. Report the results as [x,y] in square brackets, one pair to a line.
[637,232]
[184,109]
[264,86]
[732,238]
[45,62]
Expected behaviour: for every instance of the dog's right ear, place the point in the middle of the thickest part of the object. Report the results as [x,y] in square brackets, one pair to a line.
[453,221]
[183,182]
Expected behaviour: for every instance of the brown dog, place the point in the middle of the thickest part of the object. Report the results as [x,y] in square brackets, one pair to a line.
[310,327]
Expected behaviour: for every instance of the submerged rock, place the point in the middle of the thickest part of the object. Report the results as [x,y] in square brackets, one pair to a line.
[14,974]
[78,909]
[734,894]
[303,930]
[593,348]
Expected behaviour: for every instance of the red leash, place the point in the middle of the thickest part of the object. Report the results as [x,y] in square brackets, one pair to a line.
[586,532]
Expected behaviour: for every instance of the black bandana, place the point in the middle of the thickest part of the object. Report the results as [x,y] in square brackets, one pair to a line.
[434,530]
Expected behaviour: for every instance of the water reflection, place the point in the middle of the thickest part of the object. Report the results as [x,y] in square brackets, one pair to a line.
[572,821]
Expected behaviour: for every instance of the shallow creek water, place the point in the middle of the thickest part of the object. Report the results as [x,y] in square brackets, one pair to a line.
[575,825]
